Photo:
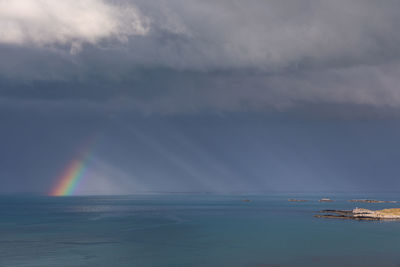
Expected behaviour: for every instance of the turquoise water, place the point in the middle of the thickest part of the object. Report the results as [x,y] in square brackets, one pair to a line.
[192,230]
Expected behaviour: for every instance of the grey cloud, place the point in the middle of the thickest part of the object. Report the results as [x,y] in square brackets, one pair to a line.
[271,35]
[221,56]
[268,34]
[369,89]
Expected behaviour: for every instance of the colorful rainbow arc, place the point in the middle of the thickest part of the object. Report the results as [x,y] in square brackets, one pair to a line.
[72,175]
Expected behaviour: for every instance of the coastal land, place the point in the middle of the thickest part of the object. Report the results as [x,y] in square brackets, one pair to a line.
[361,214]
[371,201]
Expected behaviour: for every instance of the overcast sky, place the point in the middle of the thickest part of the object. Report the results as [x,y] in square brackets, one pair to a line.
[188,95]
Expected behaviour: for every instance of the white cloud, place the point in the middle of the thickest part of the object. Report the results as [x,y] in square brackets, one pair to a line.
[69,23]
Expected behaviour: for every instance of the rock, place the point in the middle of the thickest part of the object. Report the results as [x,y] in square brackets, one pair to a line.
[371,201]
[325,200]
[341,212]
[381,214]
[246,200]
[361,214]
[297,200]
[332,216]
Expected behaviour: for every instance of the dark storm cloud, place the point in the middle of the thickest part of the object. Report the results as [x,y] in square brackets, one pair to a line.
[258,94]
[191,56]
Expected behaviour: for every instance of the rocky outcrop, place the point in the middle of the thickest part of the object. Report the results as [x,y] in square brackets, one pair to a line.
[325,200]
[340,212]
[361,214]
[371,201]
[297,200]
[381,214]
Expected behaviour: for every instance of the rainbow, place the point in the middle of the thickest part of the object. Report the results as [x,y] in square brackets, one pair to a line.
[70,178]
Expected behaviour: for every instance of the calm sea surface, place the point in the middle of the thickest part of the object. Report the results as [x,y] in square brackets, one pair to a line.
[192,230]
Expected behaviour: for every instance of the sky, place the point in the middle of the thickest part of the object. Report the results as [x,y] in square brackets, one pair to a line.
[200,96]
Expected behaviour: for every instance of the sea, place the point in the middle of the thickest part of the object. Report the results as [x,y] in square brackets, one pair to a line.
[193,230]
